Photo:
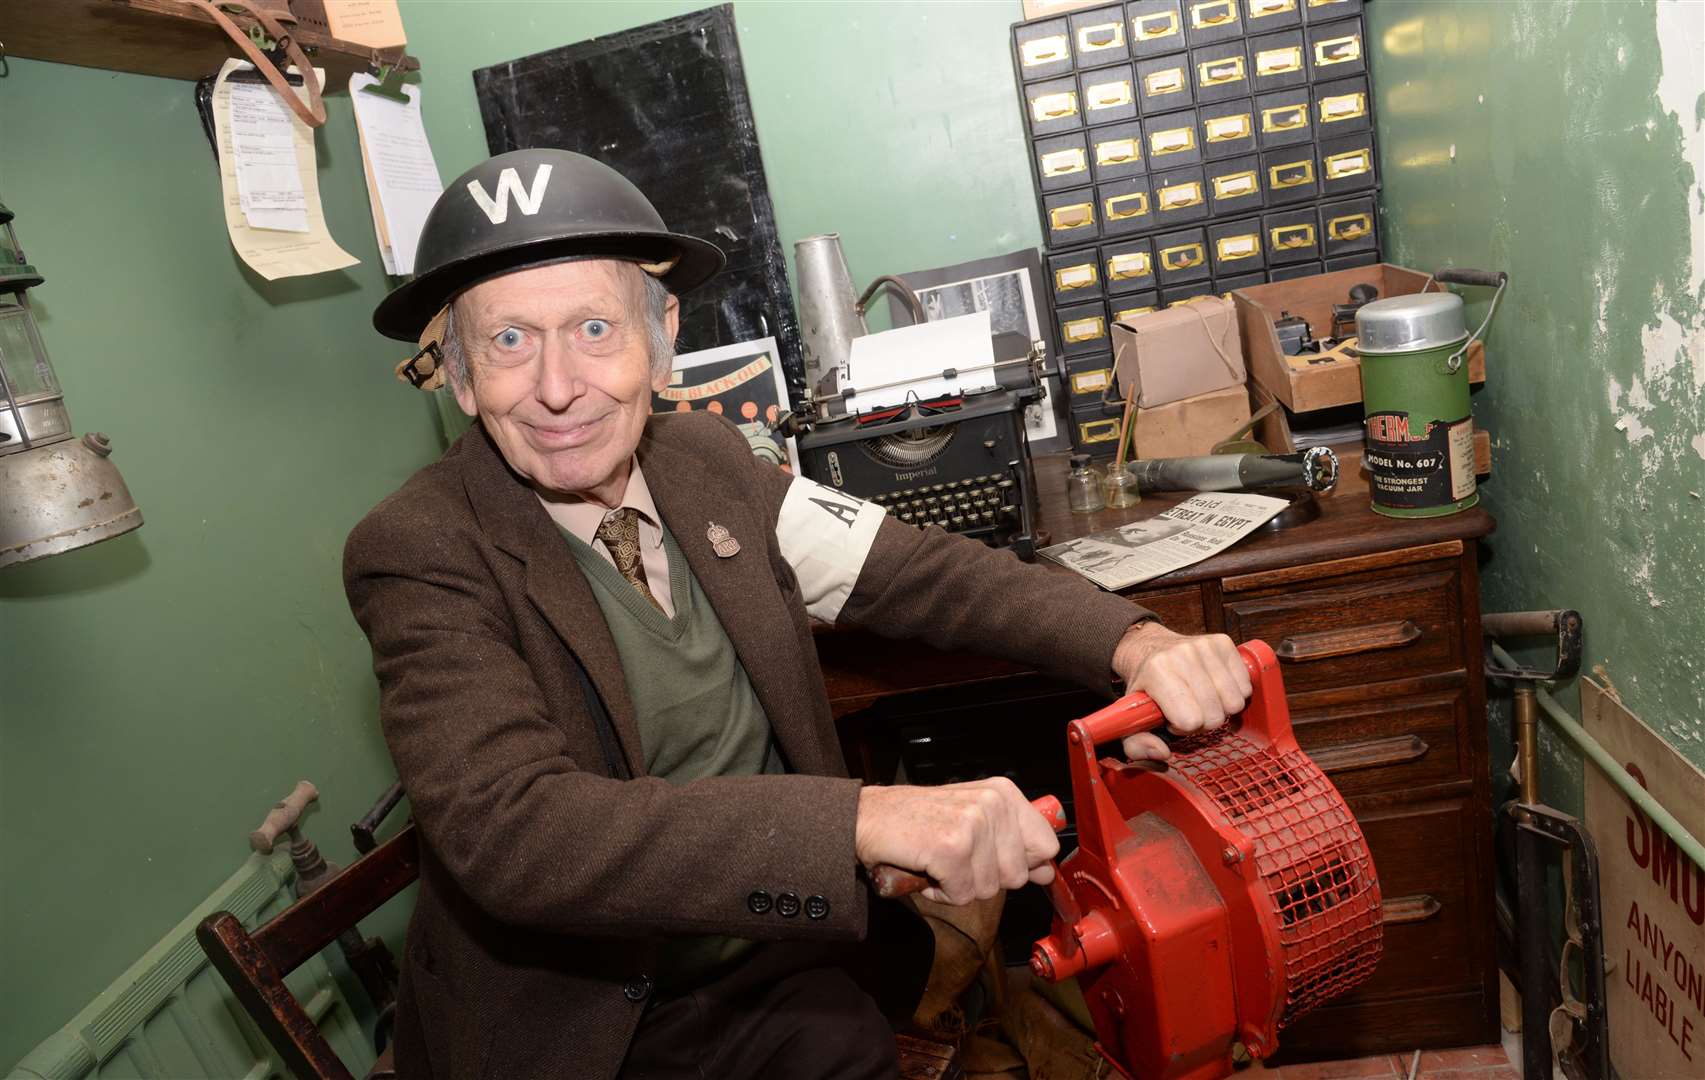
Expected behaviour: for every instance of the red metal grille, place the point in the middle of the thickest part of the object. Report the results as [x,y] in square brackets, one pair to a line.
[1310,854]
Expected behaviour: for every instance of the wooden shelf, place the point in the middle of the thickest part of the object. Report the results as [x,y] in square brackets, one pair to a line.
[167,38]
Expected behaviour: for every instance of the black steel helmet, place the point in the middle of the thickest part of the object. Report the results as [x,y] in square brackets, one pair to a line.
[531,207]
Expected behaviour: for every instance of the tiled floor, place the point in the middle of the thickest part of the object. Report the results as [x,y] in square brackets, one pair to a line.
[1468,1063]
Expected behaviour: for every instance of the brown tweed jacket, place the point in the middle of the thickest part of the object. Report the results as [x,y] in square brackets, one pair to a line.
[547,887]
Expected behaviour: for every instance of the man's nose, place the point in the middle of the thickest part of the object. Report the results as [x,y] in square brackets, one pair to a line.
[559,382]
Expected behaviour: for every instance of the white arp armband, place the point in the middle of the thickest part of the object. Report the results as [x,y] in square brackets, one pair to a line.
[825,536]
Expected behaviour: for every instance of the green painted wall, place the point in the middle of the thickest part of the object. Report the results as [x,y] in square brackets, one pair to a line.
[159,691]
[1562,142]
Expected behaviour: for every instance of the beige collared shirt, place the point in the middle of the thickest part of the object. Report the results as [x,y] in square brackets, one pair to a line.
[583,518]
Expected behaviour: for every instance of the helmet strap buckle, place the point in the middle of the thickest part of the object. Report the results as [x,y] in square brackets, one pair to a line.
[425,369]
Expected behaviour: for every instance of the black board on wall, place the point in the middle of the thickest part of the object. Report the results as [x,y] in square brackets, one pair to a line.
[666,105]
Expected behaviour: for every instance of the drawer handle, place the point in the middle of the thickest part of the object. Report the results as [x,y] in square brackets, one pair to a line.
[1367,755]
[1410,909]
[1348,642]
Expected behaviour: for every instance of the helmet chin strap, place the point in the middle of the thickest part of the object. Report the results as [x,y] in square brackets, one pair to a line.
[425,369]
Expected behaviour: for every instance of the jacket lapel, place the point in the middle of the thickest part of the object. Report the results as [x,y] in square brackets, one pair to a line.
[511,517]
[742,588]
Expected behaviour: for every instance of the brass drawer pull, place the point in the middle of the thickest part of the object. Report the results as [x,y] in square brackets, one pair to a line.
[1348,642]
[1395,750]
[1410,909]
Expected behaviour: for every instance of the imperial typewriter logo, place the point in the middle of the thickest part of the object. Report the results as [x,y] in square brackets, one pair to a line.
[914,474]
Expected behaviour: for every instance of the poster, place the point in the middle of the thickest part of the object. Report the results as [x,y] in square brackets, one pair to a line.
[744,383]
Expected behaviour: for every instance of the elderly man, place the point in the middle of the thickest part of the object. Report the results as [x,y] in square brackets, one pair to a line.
[641,854]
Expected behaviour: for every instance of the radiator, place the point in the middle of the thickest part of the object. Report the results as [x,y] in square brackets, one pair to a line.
[171,1017]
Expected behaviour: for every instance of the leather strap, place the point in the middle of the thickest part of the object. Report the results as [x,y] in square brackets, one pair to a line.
[313,112]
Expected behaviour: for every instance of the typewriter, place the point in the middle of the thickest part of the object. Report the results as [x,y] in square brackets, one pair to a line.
[960,462]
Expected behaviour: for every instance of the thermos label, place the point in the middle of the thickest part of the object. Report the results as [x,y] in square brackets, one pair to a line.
[1416,463]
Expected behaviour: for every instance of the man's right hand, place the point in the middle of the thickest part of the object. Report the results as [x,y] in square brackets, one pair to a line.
[971,839]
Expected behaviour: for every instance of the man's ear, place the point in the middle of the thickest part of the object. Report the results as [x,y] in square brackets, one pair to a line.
[672,325]
[464,391]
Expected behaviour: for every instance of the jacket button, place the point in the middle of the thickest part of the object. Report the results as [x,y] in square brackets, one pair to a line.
[816,907]
[759,902]
[787,905]
[637,989]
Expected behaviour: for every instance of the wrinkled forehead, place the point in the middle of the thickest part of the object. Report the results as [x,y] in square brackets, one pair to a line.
[556,293]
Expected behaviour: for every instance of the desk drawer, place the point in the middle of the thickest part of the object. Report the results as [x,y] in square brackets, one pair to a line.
[1424,855]
[1403,743]
[1180,610]
[1375,629]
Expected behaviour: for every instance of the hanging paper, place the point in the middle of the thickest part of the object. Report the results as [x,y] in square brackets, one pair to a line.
[273,251]
[269,185]
[403,176]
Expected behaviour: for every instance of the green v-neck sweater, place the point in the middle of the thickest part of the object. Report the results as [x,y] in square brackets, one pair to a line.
[698,715]
[697,712]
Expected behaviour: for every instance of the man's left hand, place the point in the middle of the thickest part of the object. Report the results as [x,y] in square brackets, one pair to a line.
[1197,680]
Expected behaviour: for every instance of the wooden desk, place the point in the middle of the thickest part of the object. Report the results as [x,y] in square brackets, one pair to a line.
[1377,621]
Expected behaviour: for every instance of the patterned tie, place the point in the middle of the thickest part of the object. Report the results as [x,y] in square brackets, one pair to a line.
[620,533]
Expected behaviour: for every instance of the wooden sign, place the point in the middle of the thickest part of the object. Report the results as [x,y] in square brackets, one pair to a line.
[1653,899]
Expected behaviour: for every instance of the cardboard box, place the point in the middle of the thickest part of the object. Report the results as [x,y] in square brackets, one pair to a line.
[1181,352]
[1319,386]
[1191,426]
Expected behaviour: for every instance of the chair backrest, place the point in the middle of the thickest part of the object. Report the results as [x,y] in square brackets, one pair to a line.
[254,965]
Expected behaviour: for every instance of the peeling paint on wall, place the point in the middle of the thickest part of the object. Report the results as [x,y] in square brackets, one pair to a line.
[1579,131]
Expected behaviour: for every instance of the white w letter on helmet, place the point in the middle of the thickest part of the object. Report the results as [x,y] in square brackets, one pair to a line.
[509,183]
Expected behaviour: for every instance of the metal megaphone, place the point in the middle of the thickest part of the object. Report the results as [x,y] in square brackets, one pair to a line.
[829,315]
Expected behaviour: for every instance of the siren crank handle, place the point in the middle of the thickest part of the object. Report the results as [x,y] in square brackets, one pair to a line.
[891,881]
[1136,712]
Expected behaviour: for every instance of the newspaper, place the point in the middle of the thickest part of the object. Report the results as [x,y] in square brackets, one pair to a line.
[1200,526]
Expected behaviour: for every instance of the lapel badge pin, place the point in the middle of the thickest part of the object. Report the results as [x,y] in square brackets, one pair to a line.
[722,541]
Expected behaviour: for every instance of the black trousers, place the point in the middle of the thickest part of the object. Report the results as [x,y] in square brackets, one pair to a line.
[787,1013]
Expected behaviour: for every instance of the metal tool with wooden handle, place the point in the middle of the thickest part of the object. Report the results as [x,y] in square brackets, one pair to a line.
[891,881]
[282,818]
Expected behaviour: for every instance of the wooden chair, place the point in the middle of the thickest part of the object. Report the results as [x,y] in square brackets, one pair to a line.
[254,965]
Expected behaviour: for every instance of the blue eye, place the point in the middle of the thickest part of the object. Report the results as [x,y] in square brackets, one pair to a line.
[596,328]
[509,338]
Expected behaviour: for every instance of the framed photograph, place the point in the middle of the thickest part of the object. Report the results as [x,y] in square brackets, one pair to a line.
[1008,287]
[743,382]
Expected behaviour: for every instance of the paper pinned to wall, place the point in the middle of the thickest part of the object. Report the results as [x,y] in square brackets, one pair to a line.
[402,173]
[380,233]
[274,253]
[269,185]
[914,357]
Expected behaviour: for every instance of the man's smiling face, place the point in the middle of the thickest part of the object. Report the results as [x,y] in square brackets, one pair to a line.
[559,369]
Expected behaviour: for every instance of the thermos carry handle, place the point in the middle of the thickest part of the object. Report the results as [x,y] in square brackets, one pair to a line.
[1490,279]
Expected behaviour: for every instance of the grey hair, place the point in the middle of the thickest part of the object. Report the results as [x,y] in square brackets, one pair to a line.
[659,345]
